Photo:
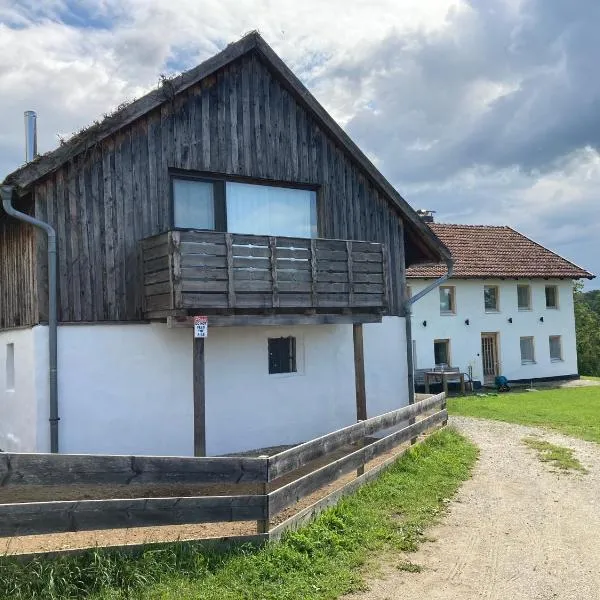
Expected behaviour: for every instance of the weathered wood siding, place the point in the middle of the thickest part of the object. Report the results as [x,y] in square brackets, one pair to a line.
[241,121]
[17,274]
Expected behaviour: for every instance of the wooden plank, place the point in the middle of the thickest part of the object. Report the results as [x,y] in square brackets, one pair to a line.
[199,301]
[296,490]
[288,275]
[199,386]
[338,266]
[294,458]
[332,255]
[254,275]
[199,285]
[246,285]
[250,240]
[230,279]
[156,264]
[158,288]
[203,274]
[203,248]
[251,263]
[310,513]
[220,544]
[366,257]
[153,241]
[159,302]
[367,277]
[256,251]
[32,518]
[295,286]
[202,260]
[295,300]
[90,469]
[293,264]
[331,277]
[207,237]
[302,253]
[386,276]
[274,283]
[393,418]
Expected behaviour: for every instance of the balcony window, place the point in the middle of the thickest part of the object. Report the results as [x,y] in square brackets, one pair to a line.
[249,208]
[527,351]
[551,296]
[555,348]
[524,297]
[491,295]
[447,300]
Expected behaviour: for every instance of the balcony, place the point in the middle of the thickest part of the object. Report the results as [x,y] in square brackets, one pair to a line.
[199,272]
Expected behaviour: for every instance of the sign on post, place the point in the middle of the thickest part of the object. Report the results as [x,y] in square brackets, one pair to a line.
[200,327]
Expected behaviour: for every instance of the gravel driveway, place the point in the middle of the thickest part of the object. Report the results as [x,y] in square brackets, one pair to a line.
[517,530]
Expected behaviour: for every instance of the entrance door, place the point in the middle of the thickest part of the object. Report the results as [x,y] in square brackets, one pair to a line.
[489,357]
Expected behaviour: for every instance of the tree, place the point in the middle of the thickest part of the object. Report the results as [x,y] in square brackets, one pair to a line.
[587,326]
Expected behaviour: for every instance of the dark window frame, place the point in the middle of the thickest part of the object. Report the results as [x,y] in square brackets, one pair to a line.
[219,180]
[282,355]
[442,342]
[556,305]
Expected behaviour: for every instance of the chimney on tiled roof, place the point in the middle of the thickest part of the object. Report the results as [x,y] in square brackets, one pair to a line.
[426,215]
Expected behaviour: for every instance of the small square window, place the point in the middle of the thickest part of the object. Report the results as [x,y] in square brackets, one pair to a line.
[490,296]
[555,348]
[551,296]
[282,355]
[447,300]
[524,297]
[527,351]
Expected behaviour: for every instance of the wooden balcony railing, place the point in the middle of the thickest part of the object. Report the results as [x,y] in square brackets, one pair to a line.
[187,271]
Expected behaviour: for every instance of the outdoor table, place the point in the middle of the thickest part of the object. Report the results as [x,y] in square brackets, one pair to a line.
[444,376]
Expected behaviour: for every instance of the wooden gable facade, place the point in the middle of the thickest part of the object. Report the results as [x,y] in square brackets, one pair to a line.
[243,120]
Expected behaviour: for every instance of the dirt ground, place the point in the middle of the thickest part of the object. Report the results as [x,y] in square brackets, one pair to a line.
[517,530]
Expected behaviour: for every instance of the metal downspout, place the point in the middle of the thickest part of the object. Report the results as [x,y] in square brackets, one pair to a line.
[7,192]
[407,318]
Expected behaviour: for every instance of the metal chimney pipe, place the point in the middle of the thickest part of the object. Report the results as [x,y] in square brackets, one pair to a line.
[30,135]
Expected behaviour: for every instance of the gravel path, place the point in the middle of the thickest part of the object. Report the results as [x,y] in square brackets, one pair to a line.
[517,530]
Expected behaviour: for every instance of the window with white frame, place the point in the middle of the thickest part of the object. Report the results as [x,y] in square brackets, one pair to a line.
[527,350]
[524,297]
[555,348]
[240,207]
[491,298]
[447,300]
[551,296]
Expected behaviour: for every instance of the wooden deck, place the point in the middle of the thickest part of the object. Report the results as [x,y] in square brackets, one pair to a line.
[191,271]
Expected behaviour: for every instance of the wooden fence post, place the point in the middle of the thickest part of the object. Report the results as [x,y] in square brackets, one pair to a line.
[262,525]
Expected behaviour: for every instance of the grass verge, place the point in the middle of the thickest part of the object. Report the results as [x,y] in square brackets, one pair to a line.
[572,411]
[321,561]
[559,456]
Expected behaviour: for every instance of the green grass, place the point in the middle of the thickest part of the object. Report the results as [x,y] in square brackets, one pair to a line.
[590,378]
[559,456]
[572,411]
[321,561]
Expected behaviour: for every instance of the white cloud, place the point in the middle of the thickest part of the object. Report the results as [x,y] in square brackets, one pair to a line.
[482,111]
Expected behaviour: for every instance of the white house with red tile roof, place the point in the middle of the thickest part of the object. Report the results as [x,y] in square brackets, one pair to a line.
[507,310]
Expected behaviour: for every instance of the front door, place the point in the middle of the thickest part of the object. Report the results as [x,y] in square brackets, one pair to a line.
[489,357]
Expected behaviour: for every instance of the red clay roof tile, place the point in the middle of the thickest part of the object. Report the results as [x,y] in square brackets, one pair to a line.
[486,251]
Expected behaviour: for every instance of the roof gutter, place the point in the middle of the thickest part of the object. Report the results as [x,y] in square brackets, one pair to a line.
[6,191]
[407,318]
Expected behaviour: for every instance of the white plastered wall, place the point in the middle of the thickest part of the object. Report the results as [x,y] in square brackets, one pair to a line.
[24,415]
[465,340]
[127,389]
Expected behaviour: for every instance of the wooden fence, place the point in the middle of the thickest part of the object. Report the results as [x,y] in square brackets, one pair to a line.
[280,480]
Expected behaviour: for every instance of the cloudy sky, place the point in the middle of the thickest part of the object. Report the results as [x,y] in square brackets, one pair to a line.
[487,111]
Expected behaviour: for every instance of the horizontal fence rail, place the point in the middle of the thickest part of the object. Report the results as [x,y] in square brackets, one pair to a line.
[85,515]
[90,469]
[188,270]
[281,480]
